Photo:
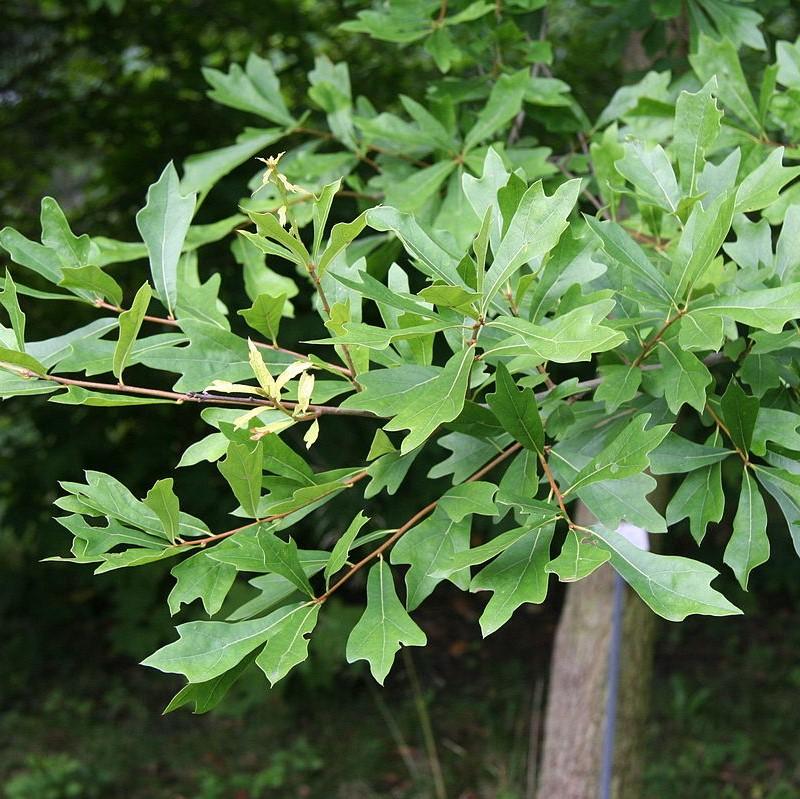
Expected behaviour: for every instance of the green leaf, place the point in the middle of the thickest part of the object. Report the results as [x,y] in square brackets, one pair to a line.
[700,241]
[699,498]
[93,280]
[428,548]
[31,254]
[242,469]
[515,577]
[718,58]
[624,455]
[130,322]
[265,315]
[9,300]
[255,89]
[685,377]
[739,412]
[56,234]
[342,235]
[573,336]
[384,626]
[697,125]
[748,546]
[631,258]
[162,501]
[676,455]
[288,644]
[201,577]
[763,185]
[466,499]
[434,403]
[517,410]
[785,489]
[671,586]
[207,649]
[163,224]
[533,231]
[432,258]
[651,173]
[766,309]
[578,558]
[22,360]
[341,548]
[504,103]
[620,384]
[411,194]
[615,501]
[203,170]
[207,695]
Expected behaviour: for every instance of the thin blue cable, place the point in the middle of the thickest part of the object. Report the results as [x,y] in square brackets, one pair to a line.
[607,765]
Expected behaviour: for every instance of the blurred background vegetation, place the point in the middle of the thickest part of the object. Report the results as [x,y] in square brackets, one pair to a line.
[95,96]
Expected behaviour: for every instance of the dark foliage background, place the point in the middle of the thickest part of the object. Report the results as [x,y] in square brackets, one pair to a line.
[94,98]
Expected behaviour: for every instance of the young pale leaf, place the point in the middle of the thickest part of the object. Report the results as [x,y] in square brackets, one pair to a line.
[163,224]
[242,469]
[434,403]
[625,455]
[384,626]
[673,587]
[288,644]
[207,649]
[342,235]
[56,234]
[534,230]
[341,548]
[428,548]
[515,577]
[517,411]
[162,501]
[748,546]
[130,322]
[739,412]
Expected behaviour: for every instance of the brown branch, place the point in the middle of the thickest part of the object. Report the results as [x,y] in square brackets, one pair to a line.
[556,491]
[414,520]
[653,342]
[349,482]
[201,397]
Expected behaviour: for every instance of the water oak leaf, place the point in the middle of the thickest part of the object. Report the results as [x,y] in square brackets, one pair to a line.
[748,546]
[163,224]
[673,587]
[434,403]
[384,626]
[427,548]
[517,411]
[515,577]
[207,649]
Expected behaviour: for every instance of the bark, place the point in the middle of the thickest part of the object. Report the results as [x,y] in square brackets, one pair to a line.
[575,718]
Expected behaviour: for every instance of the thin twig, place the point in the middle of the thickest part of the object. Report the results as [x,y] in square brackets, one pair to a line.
[414,520]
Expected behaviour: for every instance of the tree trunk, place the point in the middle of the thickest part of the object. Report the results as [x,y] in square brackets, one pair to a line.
[575,720]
